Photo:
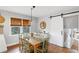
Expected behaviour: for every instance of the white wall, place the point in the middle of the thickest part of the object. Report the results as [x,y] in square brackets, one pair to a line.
[74,14]
[71,22]
[13,39]
[34,27]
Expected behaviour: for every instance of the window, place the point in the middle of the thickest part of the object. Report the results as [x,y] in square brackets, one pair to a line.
[26,29]
[15,30]
[16,22]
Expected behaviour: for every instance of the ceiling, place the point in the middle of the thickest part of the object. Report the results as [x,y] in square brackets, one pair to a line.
[40,11]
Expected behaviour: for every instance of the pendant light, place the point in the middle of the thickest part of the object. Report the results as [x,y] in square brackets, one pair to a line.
[31,11]
[31,16]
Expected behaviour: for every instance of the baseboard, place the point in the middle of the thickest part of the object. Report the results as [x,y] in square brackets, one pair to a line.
[4,51]
[12,44]
[56,44]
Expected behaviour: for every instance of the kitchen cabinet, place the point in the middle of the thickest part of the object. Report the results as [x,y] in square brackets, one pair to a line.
[16,22]
[26,22]
[20,22]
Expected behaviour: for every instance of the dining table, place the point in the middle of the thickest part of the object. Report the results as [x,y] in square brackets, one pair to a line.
[35,44]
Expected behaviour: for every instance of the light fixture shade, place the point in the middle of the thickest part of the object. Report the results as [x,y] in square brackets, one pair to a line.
[2,19]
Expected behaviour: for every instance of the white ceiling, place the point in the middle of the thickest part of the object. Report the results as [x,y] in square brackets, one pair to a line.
[40,11]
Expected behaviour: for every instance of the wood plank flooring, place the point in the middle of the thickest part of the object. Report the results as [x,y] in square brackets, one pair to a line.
[51,49]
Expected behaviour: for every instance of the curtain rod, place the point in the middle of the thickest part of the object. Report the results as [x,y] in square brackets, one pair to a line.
[64,14]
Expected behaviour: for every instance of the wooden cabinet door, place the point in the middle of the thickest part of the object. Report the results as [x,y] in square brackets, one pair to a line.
[26,22]
[16,22]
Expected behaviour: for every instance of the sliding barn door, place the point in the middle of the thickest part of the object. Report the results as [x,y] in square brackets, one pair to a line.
[55,28]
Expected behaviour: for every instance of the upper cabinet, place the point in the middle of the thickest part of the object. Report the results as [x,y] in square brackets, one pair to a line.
[16,22]
[20,22]
[26,22]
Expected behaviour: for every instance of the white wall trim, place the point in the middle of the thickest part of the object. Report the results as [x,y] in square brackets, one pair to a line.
[12,44]
[60,45]
[56,44]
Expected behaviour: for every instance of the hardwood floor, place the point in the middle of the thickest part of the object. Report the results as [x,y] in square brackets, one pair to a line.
[56,49]
[75,45]
[51,49]
[13,49]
